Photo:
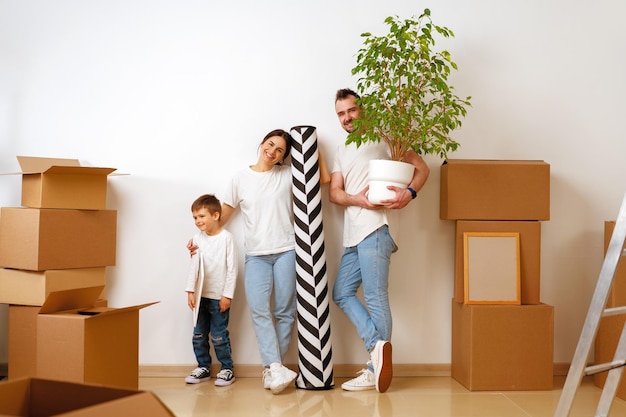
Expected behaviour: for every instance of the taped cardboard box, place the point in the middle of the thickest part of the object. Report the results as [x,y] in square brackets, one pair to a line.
[42,397]
[503,347]
[23,287]
[62,183]
[494,190]
[43,239]
[530,255]
[78,342]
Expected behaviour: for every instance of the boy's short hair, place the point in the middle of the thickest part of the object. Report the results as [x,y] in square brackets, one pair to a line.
[209,202]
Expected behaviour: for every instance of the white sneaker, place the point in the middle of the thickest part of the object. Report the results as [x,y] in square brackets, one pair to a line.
[267,378]
[381,362]
[363,382]
[282,377]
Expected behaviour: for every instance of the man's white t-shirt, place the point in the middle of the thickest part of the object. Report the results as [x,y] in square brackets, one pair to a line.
[353,163]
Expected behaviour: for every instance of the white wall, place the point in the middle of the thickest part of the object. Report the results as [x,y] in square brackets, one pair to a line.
[179,93]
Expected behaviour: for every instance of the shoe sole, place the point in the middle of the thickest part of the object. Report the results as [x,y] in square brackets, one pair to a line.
[384,371]
[196,381]
[223,382]
[351,388]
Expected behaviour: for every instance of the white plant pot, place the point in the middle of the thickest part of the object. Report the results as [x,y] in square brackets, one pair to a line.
[383,173]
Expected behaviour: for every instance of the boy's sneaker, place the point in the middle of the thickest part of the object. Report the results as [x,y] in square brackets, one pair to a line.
[365,381]
[282,377]
[198,375]
[381,362]
[224,377]
[267,378]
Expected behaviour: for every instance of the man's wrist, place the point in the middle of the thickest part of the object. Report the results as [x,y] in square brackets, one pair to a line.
[413,193]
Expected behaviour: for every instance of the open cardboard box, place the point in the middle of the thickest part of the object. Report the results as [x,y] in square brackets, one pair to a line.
[47,398]
[79,342]
[31,288]
[62,183]
[40,239]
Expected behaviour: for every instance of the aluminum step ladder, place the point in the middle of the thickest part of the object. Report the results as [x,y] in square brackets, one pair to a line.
[597,310]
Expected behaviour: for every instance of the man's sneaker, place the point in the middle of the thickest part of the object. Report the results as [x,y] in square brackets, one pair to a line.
[198,375]
[381,362]
[282,377]
[224,377]
[363,382]
[267,378]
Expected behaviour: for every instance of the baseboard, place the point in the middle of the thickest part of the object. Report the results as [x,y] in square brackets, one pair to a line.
[340,370]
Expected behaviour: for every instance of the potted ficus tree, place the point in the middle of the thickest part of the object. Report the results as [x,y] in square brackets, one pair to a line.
[406,100]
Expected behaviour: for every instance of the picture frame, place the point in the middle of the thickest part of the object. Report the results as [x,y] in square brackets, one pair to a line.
[491,268]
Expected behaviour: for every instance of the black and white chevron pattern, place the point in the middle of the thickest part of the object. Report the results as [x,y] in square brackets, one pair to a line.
[314,345]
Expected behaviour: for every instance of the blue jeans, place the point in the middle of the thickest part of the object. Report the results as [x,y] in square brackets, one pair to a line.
[271,293]
[212,325]
[367,264]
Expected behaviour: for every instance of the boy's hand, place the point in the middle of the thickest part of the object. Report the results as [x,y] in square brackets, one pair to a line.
[192,248]
[191,300]
[224,304]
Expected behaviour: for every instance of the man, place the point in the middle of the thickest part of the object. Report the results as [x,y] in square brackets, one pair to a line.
[368,245]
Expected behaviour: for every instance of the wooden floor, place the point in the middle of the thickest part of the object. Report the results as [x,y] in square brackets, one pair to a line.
[430,396]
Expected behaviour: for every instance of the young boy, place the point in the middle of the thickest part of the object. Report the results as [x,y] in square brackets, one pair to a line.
[210,289]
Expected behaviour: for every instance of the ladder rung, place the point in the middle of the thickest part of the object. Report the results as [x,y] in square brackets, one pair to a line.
[602,367]
[614,311]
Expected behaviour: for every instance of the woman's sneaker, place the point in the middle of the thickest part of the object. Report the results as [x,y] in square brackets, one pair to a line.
[224,377]
[282,377]
[365,381]
[198,375]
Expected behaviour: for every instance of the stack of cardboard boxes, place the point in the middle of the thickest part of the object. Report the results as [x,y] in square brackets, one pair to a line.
[54,251]
[500,346]
[611,327]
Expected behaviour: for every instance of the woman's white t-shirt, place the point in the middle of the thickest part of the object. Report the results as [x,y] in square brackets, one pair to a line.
[266,200]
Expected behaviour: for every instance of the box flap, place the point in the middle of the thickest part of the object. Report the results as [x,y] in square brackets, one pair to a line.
[63,170]
[38,164]
[71,299]
[110,311]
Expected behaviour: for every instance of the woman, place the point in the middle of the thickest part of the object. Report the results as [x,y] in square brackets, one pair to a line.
[263,191]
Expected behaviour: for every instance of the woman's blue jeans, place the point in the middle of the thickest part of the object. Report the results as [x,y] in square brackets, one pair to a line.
[212,325]
[367,264]
[270,283]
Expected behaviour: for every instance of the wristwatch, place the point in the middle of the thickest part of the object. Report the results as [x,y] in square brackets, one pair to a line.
[413,193]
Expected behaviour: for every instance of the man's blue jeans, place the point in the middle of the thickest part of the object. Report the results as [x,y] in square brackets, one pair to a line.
[271,294]
[367,264]
[212,325]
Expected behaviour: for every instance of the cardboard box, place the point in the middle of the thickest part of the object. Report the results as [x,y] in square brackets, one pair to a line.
[62,183]
[617,295]
[502,347]
[494,190]
[22,346]
[78,342]
[41,397]
[530,255]
[42,239]
[23,287]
